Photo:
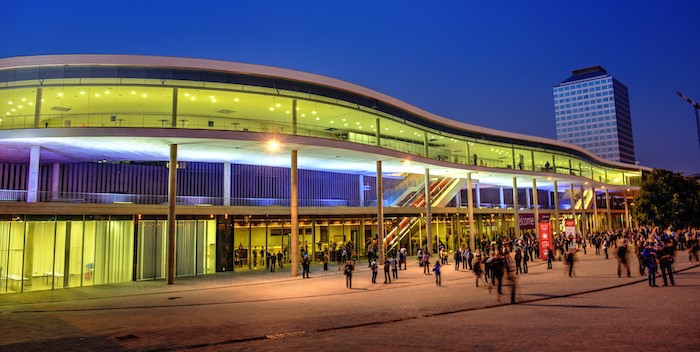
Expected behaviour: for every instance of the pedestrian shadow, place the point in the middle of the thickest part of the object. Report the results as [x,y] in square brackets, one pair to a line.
[571,306]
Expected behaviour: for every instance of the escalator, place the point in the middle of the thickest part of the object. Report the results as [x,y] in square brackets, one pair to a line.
[442,190]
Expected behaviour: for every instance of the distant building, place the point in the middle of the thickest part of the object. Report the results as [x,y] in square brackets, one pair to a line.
[592,111]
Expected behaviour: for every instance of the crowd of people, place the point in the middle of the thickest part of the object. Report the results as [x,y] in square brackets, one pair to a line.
[507,257]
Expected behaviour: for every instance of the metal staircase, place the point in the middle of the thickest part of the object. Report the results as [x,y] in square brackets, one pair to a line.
[442,190]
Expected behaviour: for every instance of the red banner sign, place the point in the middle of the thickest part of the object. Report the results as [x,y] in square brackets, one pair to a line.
[545,238]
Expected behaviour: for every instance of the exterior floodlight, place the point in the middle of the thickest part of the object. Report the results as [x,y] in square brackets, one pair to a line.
[273,145]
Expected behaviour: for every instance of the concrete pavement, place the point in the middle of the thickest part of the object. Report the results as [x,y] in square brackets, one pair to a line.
[271,311]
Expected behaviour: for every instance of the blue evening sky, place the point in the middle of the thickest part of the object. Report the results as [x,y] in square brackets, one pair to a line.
[488,63]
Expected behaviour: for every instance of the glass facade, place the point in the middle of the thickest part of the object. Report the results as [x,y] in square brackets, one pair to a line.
[84,97]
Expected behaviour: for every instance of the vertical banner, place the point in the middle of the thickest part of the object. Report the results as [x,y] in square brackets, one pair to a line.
[545,238]
[570,227]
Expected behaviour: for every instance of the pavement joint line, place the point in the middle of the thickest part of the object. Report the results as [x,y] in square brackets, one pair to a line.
[304,297]
[415,317]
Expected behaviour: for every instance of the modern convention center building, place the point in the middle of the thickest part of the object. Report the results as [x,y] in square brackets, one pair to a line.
[104,159]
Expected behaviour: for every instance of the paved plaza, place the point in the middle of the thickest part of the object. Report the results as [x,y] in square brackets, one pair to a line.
[257,311]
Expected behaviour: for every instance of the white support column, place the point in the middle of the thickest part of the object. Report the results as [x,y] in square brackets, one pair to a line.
[596,224]
[556,206]
[380,212]
[361,181]
[627,213]
[294,178]
[227,184]
[528,203]
[477,193]
[584,225]
[33,180]
[535,203]
[516,208]
[428,216]
[172,202]
[573,206]
[470,202]
[501,203]
[608,210]
[55,180]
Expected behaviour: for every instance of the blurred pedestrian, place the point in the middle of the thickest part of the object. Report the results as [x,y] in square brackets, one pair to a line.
[436,270]
[622,259]
[570,259]
[349,268]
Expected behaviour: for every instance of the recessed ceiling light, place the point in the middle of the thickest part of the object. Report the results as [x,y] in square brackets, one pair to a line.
[20,106]
[278,105]
[187,94]
[272,109]
[343,120]
[357,123]
[345,124]
[235,99]
[133,92]
[60,94]
[318,118]
[303,115]
[332,121]
[30,103]
[193,98]
[212,97]
[107,92]
[97,95]
[286,111]
[9,102]
[82,93]
[213,100]
[314,112]
[386,128]
[401,131]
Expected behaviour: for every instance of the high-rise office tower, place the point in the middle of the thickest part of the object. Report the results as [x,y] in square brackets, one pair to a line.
[592,111]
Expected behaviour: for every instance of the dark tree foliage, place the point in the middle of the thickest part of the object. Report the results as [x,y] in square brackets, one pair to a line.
[667,198]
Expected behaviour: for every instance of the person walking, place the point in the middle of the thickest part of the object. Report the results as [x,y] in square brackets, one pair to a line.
[374,268]
[477,270]
[394,268]
[605,247]
[649,255]
[426,263]
[666,261]
[497,268]
[526,258]
[550,257]
[518,261]
[436,270]
[457,257]
[305,263]
[622,259]
[280,258]
[570,259]
[404,257]
[387,276]
[325,261]
[349,267]
[272,262]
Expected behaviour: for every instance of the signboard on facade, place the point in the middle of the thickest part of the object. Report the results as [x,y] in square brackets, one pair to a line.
[570,227]
[527,221]
[545,238]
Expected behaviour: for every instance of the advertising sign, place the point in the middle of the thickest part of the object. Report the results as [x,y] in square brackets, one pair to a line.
[545,238]
[570,227]
[527,221]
